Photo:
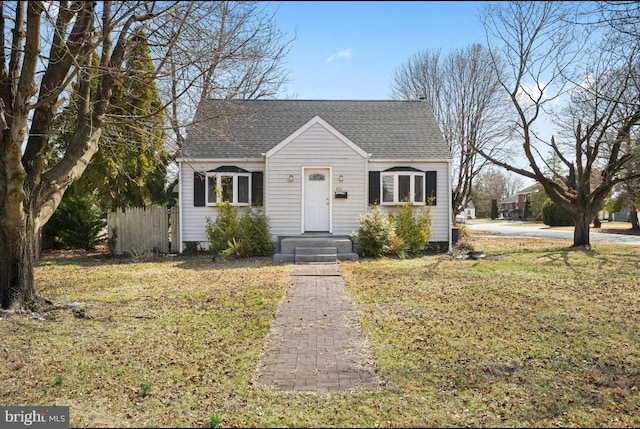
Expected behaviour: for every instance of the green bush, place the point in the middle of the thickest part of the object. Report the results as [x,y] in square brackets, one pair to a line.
[224,229]
[397,247]
[77,222]
[375,234]
[239,237]
[463,232]
[403,234]
[414,229]
[254,235]
[554,215]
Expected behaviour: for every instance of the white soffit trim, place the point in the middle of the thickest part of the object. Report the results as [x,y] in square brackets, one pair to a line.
[418,160]
[219,160]
[313,121]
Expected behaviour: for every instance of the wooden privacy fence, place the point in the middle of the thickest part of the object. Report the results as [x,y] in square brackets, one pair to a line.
[142,230]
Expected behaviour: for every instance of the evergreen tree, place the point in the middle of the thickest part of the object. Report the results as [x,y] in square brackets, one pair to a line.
[494,209]
[48,43]
[129,168]
[555,215]
[78,222]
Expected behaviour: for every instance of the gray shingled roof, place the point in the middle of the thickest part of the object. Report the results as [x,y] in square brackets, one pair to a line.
[249,128]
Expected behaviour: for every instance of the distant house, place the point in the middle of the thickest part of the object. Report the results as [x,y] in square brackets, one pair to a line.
[470,210]
[466,213]
[620,216]
[513,207]
[313,166]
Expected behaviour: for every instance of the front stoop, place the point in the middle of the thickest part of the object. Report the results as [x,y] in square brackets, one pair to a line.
[315,250]
[308,255]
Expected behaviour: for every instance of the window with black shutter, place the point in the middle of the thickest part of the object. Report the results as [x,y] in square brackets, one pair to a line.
[257,188]
[374,187]
[199,180]
[233,184]
[431,178]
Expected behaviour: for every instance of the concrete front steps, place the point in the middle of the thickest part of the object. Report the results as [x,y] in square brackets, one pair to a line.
[307,255]
[314,249]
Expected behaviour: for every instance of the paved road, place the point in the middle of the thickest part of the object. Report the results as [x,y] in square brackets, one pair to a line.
[517,229]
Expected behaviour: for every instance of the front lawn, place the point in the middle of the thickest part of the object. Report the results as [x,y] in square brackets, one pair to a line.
[532,335]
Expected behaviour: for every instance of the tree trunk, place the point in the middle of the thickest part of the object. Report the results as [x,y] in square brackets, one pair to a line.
[596,222]
[633,218]
[16,261]
[581,230]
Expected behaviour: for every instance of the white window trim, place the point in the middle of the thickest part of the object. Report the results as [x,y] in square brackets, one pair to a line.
[234,177]
[396,184]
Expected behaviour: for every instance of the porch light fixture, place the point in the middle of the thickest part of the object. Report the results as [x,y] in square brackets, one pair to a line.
[290,177]
[341,178]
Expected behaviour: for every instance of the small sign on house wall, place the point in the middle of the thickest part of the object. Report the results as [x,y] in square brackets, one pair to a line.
[339,193]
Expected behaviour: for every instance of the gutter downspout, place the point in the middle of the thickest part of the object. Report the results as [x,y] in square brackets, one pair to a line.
[367,169]
[180,199]
[266,193]
[449,208]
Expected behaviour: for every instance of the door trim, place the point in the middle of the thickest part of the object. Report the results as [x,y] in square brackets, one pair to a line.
[329,188]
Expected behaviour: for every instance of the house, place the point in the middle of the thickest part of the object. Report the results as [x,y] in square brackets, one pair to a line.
[514,206]
[313,166]
[467,212]
[619,216]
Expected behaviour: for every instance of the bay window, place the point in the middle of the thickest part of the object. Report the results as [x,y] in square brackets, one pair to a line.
[401,186]
[234,188]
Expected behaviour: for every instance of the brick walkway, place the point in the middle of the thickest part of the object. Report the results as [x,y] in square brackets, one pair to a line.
[315,343]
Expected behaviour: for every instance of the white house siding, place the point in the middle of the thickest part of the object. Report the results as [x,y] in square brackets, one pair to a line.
[315,147]
[441,223]
[193,220]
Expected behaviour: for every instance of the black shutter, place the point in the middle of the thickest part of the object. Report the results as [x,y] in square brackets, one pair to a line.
[199,183]
[257,188]
[431,179]
[374,187]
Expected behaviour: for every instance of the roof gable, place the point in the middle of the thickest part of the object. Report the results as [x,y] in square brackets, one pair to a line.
[241,129]
[319,121]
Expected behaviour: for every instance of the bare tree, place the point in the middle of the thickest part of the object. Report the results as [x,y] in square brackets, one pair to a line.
[549,58]
[493,183]
[623,16]
[627,194]
[464,92]
[226,50]
[33,84]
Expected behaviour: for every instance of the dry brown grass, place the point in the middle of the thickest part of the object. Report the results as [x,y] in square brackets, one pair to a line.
[190,328]
[533,335]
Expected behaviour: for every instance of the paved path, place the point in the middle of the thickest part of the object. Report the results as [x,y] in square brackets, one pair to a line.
[516,229]
[315,343]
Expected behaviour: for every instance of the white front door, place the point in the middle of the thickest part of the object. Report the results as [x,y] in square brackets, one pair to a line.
[317,207]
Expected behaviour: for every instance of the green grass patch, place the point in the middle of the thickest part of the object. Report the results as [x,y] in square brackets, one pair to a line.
[533,335]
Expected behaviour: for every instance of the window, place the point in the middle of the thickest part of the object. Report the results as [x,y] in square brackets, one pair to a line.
[234,188]
[398,187]
[388,181]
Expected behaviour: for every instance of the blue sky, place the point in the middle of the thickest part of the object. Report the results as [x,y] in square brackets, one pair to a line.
[350,49]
